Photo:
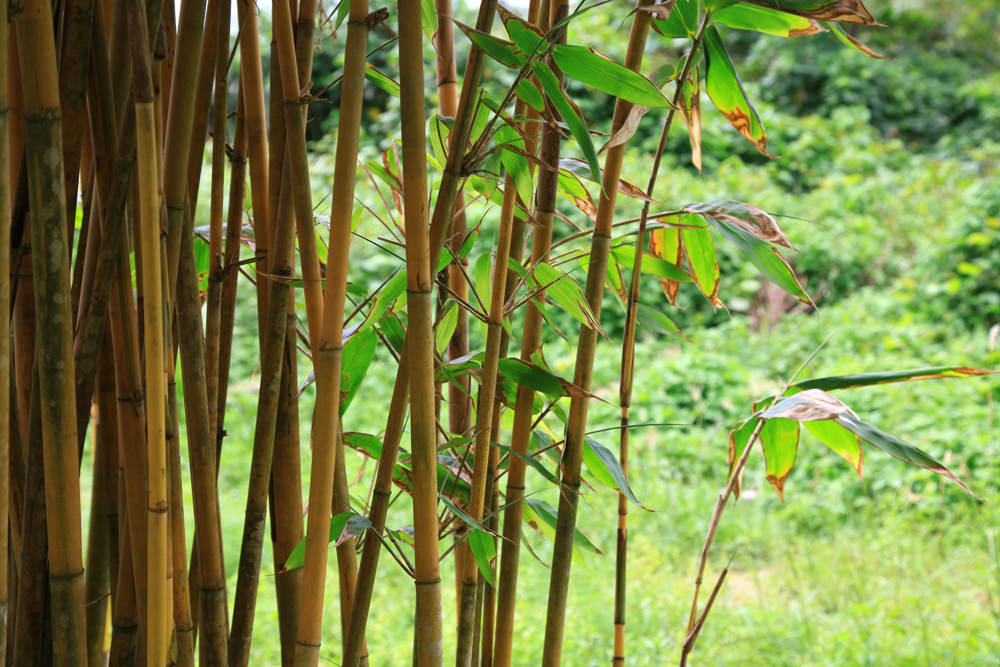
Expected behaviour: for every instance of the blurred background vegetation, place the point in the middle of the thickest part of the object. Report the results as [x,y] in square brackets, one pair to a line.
[886,182]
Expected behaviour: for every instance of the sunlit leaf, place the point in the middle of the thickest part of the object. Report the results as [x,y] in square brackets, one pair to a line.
[528,92]
[751,218]
[527,37]
[899,449]
[609,76]
[357,357]
[605,467]
[381,80]
[651,264]
[886,377]
[567,294]
[543,518]
[739,438]
[841,441]
[342,527]
[579,169]
[843,11]
[484,551]
[745,16]
[515,163]
[504,52]
[538,379]
[446,327]
[657,321]
[780,441]
[700,250]
[428,18]
[533,462]
[665,245]
[570,114]
[683,20]
[725,88]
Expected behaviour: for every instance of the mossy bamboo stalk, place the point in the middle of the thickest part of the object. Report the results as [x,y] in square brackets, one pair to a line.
[252,82]
[157,609]
[6,405]
[577,421]
[202,456]
[269,397]
[213,309]
[428,641]
[229,273]
[55,330]
[195,47]
[286,472]
[34,544]
[628,367]
[125,625]
[75,35]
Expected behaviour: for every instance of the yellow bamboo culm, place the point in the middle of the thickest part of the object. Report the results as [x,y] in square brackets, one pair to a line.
[57,390]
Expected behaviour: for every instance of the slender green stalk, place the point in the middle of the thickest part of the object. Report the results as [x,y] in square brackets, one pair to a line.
[576,425]
[55,330]
[628,364]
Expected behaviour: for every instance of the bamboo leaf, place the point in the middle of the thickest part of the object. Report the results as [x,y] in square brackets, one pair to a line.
[357,357]
[364,443]
[580,169]
[515,163]
[747,216]
[445,327]
[484,551]
[504,52]
[651,264]
[570,114]
[598,71]
[779,439]
[528,92]
[841,441]
[605,467]
[807,406]
[855,43]
[538,379]
[682,22]
[428,18]
[899,449]
[567,294]
[739,438]
[531,461]
[386,297]
[745,16]
[342,527]
[543,518]
[658,322]
[726,90]
[700,250]
[886,377]
[527,37]
[843,11]
[381,80]
[628,128]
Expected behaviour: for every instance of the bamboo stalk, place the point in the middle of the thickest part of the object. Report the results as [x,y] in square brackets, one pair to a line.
[55,331]
[183,625]
[216,262]
[80,265]
[628,364]
[347,554]
[195,48]
[577,421]
[107,411]
[269,397]
[97,573]
[157,638]
[125,626]
[252,83]
[6,406]
[326,343]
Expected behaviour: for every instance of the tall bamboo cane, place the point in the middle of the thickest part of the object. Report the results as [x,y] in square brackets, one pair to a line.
[440,229]
[628,361]
[428,641]
[5,347]
[183,624]
[125,626]
[213,310]
[55,330]
[107,410]
[157,638]
[576,425]
[98,561]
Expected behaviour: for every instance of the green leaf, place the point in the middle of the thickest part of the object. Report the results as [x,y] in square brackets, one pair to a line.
[504,52]
[538,379]
[484,276]
[428,18]
[765,257]
[393,330]
[446,327]
[886,377]
[598,71]
[543,518]
[843,11]
[855,43]
[566,292]
[651,265]
[570,114]
[683,20]
[342,527]
[357,357]
[533,462]
[484,551]
[726,90]
[700,250]
[468,243]
[658,322]
[744,16]
[515,163]
[899,449]
[840,440]
[381,80]
[605,467]
[739,438]
[364,443]
[530,95]
[386,297]
[527,37]
[780,441]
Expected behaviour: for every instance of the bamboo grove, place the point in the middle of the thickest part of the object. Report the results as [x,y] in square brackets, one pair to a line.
[122,310]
